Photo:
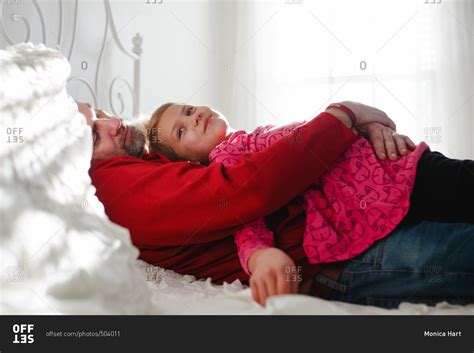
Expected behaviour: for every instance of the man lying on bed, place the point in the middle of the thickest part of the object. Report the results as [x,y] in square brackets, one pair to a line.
[181,215]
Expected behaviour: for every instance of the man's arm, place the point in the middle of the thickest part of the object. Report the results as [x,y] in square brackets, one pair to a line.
[185,203]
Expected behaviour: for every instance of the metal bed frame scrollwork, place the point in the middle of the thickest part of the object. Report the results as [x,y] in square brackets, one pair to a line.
[134,54]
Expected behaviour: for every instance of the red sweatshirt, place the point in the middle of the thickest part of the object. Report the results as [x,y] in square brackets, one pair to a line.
[181,215]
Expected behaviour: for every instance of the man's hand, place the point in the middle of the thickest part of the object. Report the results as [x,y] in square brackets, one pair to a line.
[386,141]
[366,114]
[273,273]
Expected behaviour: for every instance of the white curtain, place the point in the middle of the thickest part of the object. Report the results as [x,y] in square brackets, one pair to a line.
[412,59]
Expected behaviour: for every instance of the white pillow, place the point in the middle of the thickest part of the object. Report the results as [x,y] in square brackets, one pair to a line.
[59,252]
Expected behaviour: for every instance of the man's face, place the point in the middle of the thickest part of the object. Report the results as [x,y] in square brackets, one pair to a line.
[112,136]
[192,132]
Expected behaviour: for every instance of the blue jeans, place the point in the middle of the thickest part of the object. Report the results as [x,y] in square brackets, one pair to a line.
[425,262]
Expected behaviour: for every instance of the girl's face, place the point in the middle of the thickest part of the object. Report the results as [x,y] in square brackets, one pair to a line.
[192,132]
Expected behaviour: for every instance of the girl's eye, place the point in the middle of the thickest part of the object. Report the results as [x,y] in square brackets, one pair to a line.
[180,132]
[189,111]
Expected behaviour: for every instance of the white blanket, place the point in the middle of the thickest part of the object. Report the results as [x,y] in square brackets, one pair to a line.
[59,252]
[177,294]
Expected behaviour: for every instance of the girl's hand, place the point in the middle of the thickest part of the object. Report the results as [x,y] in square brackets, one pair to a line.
[273,273]
[366,114]
[387,142]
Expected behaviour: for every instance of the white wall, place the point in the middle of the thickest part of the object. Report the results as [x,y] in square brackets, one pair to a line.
[271,62]
[179,60]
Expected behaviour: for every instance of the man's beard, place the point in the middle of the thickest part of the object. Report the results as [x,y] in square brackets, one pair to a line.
[137,143]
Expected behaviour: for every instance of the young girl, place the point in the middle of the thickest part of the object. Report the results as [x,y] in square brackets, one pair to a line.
[359,200]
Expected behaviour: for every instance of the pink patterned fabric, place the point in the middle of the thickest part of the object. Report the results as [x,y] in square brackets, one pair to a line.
[360,200]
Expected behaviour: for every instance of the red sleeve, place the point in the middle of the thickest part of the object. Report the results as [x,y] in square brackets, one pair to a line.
[180,203]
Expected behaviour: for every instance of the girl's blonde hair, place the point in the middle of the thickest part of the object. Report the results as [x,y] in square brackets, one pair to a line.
[156,143]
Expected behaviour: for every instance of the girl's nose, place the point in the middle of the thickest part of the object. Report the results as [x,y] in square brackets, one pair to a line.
[197,116]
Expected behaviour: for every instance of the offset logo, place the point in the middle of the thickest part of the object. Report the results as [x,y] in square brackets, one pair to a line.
[23,333]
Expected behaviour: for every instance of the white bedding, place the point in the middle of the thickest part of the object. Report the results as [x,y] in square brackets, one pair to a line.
[182,295]
[59,253]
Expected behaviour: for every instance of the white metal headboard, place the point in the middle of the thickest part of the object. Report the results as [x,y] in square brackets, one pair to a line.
[134,54]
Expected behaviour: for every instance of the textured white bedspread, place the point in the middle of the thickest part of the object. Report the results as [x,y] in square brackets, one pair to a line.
[172,293]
